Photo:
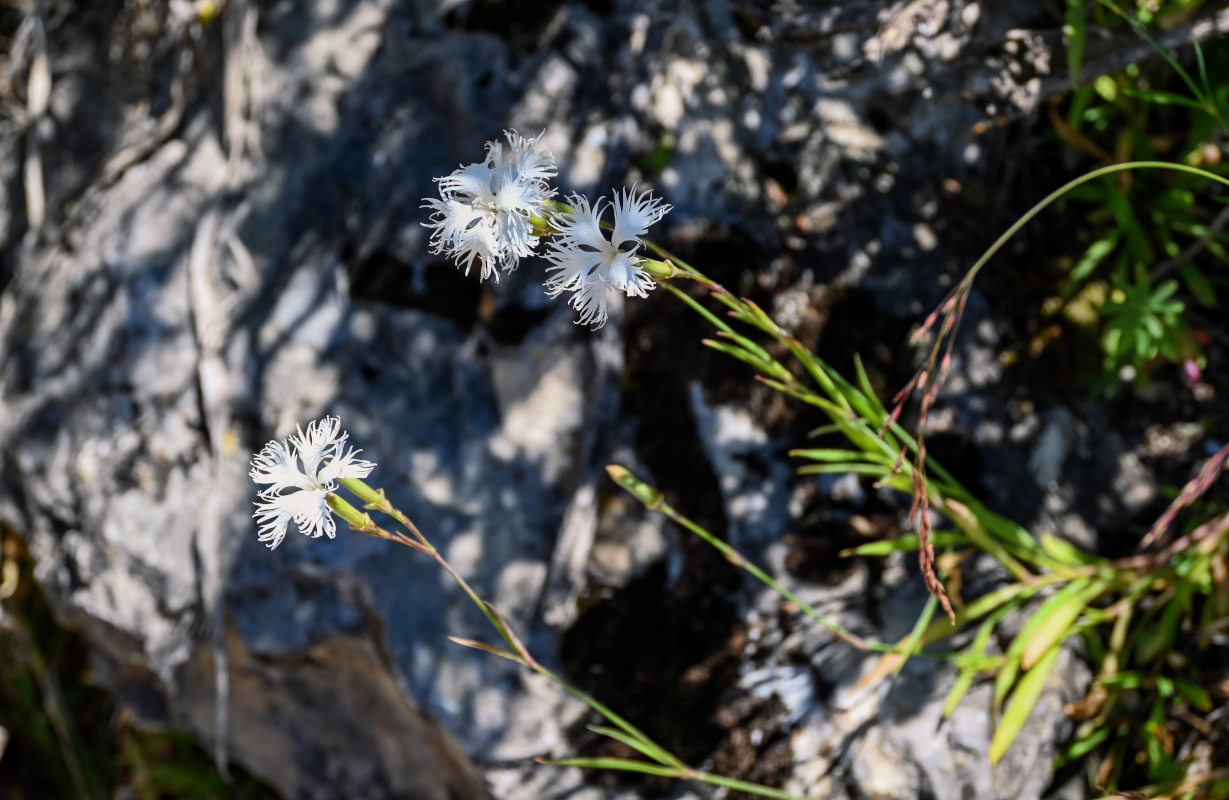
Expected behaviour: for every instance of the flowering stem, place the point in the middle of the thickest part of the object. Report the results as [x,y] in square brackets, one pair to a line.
[493,616]
[653,500]
[363,523]
[376,500]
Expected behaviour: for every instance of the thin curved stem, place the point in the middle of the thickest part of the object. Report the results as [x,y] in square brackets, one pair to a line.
[1049,199]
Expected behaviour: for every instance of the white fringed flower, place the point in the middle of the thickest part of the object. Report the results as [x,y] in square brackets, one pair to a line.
[299,493]
[483,210]
[588,265]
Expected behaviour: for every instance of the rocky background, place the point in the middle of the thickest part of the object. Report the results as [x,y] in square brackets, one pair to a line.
[211,232]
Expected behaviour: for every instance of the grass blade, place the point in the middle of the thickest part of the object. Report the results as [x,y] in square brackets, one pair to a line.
[1021,705]
[978,648]
[1055,623]
[487,648]
[639,744]
[620,764]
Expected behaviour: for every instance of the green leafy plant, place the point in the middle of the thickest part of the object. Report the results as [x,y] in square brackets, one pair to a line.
[1141,322]
[1149,226]
[1130,612]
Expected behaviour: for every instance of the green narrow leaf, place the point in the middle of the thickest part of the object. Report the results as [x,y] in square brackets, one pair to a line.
[1094,255]
[639,744]
[1056,621]
[864,383]
[766,322]
[1022,701]
[970,522]
[744,786]
[1164,98]
[830,469]
[1164,292]
[1011,668]
[1064,552]
[1193,693]
[752,347]
[836,454]
[1011,534]
[477,645]
[906,542]
[1142,31]
[964,681]
[862,398]
[735,351]
[1082,747]
[970,669]
[620,764]
[917,637]
[712,318]
[1198,284]
[1221,112]
[1203,68]
[1128,222]
[1006,677]
[1076,31]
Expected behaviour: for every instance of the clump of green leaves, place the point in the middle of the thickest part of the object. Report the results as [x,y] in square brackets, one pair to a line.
[67,737]
[1142,322]
[1149,702]
[1156,249]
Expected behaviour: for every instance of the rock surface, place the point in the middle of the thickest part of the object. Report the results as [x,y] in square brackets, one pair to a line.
[232,246]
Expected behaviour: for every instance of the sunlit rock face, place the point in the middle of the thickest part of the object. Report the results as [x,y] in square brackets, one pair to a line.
[233,245]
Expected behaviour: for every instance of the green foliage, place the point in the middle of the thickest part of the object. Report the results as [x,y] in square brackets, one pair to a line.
[1149,675]
[1149,226]
[67,738]
[1144,619]
[1142,322]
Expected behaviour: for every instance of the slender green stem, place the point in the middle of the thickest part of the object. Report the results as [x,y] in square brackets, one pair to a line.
[1049,199]
[363,523]
[743,786]
[671,765]
[653,500]
[663,755]
[679,773]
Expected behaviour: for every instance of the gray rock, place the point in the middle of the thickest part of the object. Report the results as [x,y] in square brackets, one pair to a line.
[233,246]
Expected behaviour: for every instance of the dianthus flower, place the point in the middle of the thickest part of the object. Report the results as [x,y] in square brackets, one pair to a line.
[300,494]
[588,265]
[483,210]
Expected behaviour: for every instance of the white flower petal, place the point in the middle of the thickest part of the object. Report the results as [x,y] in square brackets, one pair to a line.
[275,465]
[516,235]
[472,182]
[590,300]
[311,512]
[581,228]
[301,494]
[583,261]
[322,439]
[347,466]
[572,268]
[625,274]
[634,215]
[483,210]
[273,518]
[532,164]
